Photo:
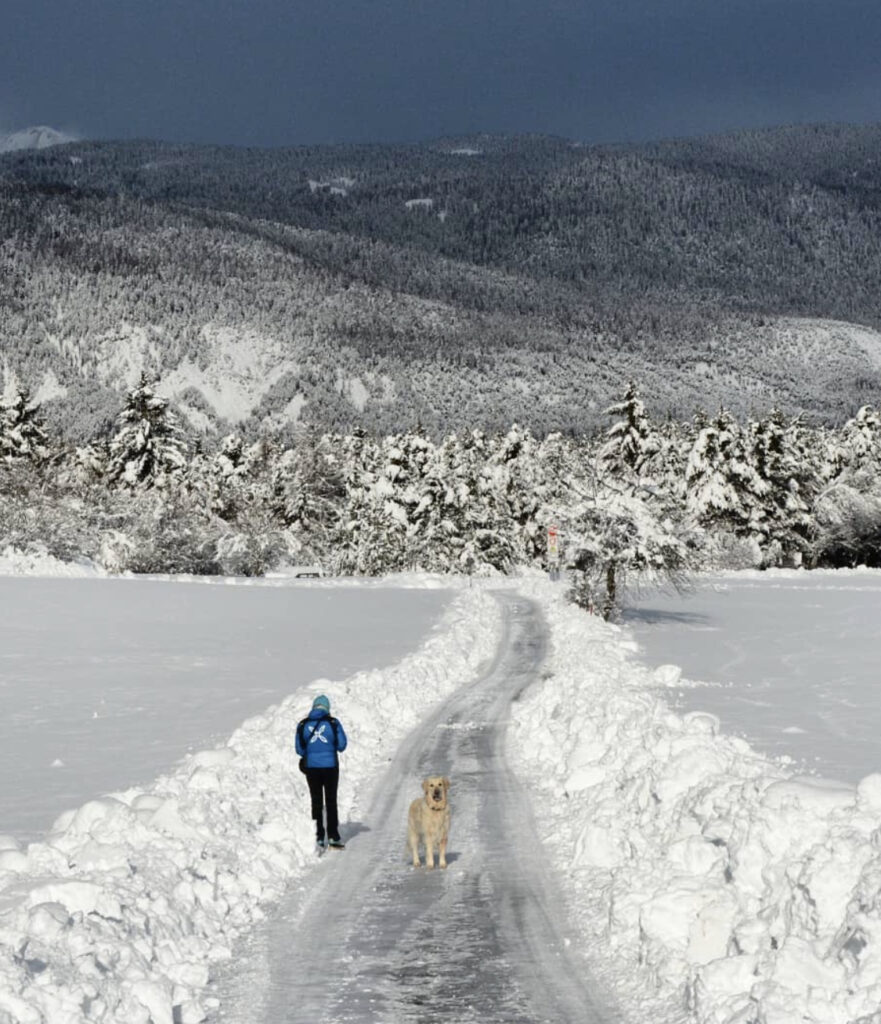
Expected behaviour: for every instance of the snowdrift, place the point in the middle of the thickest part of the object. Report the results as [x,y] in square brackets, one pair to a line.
[117,916]
[737,891]
[16,562]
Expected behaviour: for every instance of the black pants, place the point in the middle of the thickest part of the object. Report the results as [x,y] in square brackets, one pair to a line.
[323,784]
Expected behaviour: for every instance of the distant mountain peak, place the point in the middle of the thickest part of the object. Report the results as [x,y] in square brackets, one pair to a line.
[37,137]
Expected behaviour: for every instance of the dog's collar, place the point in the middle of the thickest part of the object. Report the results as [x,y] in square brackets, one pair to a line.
[437,808]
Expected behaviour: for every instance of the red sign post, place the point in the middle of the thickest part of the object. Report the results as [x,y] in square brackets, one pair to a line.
[553,550]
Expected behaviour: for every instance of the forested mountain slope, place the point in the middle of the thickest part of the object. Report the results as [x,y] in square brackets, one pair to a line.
[458,283]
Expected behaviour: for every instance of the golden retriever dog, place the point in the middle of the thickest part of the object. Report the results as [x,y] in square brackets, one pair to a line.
[429,821]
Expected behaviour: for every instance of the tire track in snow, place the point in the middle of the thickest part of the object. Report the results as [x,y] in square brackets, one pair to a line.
[370,939]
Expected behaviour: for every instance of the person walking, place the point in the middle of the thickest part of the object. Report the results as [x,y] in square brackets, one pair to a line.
[320,741]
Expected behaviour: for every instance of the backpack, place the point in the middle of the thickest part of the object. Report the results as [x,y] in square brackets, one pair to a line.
[301,731]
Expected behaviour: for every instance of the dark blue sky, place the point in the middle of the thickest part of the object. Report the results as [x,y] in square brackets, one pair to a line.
[282,72]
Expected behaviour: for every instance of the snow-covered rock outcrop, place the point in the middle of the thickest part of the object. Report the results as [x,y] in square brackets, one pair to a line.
[38,137]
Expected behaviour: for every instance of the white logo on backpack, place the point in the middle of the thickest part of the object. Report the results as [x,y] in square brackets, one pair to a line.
[318,734]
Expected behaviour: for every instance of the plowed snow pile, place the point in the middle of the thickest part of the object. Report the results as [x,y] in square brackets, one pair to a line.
[117,915]
[691,862]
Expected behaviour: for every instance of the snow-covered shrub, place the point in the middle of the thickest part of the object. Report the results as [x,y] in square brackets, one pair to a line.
[848,526]
[249,554]
[36,516]
[115,551]
[723,550]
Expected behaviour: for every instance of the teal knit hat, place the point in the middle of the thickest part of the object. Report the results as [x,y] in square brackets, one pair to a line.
[321,702]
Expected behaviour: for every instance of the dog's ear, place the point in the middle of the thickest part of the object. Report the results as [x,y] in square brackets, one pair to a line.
[425,785]
[446,782]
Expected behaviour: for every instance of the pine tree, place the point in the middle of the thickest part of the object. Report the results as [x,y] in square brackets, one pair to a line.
[631,442]
[83,466]
[781,460]
[560,475]
[846,510]
[861,441]
[723,488]
[147,450]
[358,544]
[509,485]
[614,536]
[22,435]
[309,489]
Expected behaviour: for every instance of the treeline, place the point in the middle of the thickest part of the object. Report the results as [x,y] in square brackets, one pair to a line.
[642,498]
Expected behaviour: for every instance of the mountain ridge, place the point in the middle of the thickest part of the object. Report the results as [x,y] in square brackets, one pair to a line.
[538,279]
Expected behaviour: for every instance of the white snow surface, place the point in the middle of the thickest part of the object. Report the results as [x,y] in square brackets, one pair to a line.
[245,365]
[123,677]
[118,913]
[788,659]
[707,882]
[696,867]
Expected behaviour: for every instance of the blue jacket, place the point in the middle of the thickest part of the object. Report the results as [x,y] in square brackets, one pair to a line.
[323,741]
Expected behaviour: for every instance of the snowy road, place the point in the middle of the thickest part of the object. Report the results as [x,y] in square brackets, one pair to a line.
[370,939]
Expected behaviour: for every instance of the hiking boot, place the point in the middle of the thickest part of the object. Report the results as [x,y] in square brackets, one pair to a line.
[337,844]
[322,842]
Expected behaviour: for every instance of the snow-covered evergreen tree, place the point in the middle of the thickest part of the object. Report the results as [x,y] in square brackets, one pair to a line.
[222,479]
[778,452]
[860,446]
[846,509]
[510,492]
[561,468]
[384,501]
[614,537]
[359,542]
[723,488]
[631,442]
[230,460]
[440,514]
[668,466]
[147,450]
[22,434]
[83,466]
[309,495]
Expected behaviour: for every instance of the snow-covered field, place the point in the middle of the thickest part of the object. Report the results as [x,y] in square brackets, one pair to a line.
[106,683]
[790,660]
[705,880]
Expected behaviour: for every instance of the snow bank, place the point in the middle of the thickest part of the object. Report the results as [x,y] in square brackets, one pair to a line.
[730,885]
[809,577]
[15,562]
[38,562]
[118,914]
